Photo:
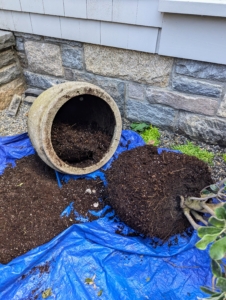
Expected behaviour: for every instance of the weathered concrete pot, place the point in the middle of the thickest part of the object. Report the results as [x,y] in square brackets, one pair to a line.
[42,114]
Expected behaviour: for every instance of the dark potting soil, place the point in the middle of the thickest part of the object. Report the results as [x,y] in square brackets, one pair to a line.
[42,269]
[31,203]
[143,188]
[79,145]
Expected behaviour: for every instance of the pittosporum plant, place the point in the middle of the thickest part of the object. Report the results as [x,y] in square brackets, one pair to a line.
[215,233]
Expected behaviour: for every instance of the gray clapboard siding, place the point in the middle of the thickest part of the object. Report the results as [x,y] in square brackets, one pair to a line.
[148,14]
[81,30]
[124,12]
[10,4]
[139,12]
[194,37]
[129,37]
[46,25]
[35,6]
[118,35]
[99,10]
[215,8]
[22,22]
[128,24]
[136,12]
[57,9]
[6,20]
[75,9]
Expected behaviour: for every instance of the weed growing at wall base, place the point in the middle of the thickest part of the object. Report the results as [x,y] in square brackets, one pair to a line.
[224,157]
[149,133]
[192,150]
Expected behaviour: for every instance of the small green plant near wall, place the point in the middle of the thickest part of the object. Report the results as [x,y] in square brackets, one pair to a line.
[224,157]
[149,133]
[215,233]
[191,149]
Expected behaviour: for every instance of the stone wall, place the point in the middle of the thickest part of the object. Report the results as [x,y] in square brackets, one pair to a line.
[11,75]
[181,95]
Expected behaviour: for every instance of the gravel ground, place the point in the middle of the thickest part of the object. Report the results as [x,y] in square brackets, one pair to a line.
[218,169]
[14,125]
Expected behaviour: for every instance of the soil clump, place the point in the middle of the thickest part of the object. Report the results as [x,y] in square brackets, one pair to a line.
[143,188]
[79,145]
[31,204]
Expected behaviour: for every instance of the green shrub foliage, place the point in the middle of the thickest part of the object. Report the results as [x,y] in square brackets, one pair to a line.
[215,233]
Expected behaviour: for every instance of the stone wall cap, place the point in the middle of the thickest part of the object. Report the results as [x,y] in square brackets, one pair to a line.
[6,39]
[3,32]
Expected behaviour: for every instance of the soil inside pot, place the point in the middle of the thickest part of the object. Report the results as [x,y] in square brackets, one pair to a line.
[79,145]
[143,188]
[31,203]
[82,131]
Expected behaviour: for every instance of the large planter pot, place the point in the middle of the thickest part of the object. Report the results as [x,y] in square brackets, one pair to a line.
[72,100]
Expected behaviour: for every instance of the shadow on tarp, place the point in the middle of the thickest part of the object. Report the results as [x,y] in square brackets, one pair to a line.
[124,267]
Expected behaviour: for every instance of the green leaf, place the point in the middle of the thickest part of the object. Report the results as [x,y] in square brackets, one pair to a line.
[89,280]
[203,243]
[139,126]
[218,249]
[206,192]
[214,187]
[46,293]
[217,222]
[100,293]
[216,268]
[220,296]
[148,279]
[221,283]
[207,290]
[217,296]
[208,230]
[221,213]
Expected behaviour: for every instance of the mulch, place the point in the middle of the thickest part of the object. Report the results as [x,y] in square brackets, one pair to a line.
[31,203]
[79,145]
[143,188]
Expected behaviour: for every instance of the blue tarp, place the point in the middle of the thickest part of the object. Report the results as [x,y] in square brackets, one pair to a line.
[121,267]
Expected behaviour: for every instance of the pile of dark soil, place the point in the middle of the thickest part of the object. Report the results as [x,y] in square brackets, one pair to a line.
[79,145]
[31,203]
[143,188]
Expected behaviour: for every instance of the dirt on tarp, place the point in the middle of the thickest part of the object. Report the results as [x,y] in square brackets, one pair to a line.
[37,271]
[143,188]
[40,270]
[31,203]
[79,145]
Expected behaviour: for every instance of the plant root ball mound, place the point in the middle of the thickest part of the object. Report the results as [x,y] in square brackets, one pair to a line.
[143,188]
